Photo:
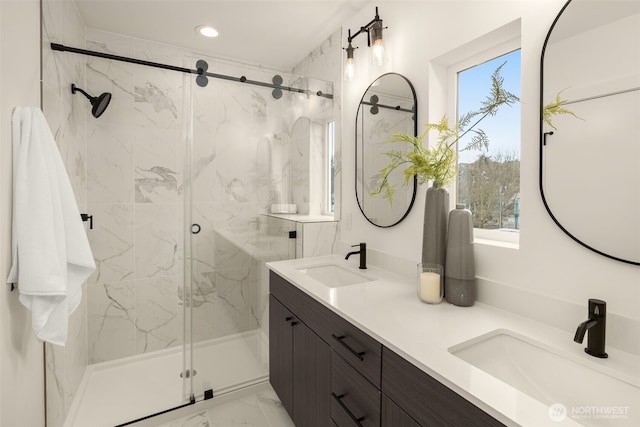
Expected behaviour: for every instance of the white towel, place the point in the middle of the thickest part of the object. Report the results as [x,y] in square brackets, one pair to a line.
[51,253]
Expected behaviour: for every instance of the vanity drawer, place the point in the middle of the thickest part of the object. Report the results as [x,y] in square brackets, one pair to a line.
[305,308]
[425,399]
[354,400]
[359,349]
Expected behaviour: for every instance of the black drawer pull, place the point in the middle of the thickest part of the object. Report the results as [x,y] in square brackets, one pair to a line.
[353,417]
[288,318]
[340,339]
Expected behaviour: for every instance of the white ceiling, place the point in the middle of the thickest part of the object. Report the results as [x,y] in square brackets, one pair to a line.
[274,33]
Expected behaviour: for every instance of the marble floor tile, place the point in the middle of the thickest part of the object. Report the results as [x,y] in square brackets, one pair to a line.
[261,409]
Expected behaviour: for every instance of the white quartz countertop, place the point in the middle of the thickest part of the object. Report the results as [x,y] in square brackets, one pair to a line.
[388,309]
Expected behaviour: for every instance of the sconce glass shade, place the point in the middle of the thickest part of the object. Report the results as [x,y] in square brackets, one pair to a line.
[350,69]
[377,45]
[350,65]
[377,52]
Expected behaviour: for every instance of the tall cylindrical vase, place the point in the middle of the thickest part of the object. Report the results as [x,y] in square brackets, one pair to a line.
[460,272]
[434,233]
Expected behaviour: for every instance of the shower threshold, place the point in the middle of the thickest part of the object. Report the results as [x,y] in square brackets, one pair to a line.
[127,389]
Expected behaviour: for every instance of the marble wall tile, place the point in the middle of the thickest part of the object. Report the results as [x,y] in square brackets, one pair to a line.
[325,62]
[117,78]
[71,141]
[300,164]
[110,168]
[237,301]
[76,354]
[157,98]
[229,255]
[51,33]
[320,238]
[108,42]
[203,305]
[111,316]
[156,165]
[55,384]
[160,52]
[203,243]
[66,115]
[317,167]
[156,309]
[156,240]
[112,241]
[240,165]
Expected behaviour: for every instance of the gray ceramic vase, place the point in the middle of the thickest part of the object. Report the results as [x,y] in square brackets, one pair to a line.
[460,271]
[434,234]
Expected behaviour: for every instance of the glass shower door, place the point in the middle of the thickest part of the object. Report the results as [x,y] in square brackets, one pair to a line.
[242,176]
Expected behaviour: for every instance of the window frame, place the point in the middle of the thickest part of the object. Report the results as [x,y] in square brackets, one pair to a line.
[493,237]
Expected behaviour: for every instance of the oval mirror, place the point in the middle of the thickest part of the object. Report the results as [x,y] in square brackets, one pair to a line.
[388,106]
[590,127]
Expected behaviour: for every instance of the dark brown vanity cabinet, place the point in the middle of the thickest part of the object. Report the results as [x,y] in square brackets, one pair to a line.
[299,367]
[327,372]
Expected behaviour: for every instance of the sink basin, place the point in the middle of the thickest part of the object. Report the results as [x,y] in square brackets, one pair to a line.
[333,275]
[591,396]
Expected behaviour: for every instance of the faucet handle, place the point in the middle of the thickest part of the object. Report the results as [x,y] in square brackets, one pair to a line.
[597,308]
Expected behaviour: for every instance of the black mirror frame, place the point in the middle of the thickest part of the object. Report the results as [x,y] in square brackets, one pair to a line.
[543,136]
[415,133]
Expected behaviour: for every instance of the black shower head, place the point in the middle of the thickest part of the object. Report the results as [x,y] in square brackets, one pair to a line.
[99,103]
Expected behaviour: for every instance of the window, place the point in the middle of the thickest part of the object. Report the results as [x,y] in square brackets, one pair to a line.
[488,181]
[329,168]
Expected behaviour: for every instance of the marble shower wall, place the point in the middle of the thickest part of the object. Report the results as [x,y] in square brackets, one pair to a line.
[242,148]
[135,152]
[135,178]
[66,115]
[325,63]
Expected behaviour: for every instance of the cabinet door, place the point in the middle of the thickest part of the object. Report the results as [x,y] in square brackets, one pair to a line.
[281,352]
[394,416]
[311,378]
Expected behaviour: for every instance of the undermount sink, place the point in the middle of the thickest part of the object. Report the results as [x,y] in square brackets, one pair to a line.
[334,276]
[591,396]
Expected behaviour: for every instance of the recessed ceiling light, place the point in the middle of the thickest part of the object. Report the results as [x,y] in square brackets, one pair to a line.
[206,31]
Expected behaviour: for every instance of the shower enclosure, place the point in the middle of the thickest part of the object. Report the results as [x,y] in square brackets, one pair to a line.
[179,180]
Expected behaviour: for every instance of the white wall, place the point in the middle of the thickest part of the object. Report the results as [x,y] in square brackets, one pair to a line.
[547,262]
[21,356]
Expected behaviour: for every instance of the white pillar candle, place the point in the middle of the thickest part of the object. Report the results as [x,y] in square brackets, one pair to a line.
[430,287]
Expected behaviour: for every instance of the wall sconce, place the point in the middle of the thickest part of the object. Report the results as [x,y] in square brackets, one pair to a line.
[374,40]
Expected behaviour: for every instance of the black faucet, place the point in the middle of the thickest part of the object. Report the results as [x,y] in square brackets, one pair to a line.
[596,325]
[363,255]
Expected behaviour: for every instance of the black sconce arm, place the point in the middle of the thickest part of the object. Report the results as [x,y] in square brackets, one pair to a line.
[366,29]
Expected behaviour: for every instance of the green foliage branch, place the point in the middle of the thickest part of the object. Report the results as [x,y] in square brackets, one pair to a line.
[556,108]
[439,163]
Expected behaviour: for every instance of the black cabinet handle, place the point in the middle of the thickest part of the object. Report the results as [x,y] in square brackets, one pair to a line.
[346,409]
[290,319]
[340,339]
